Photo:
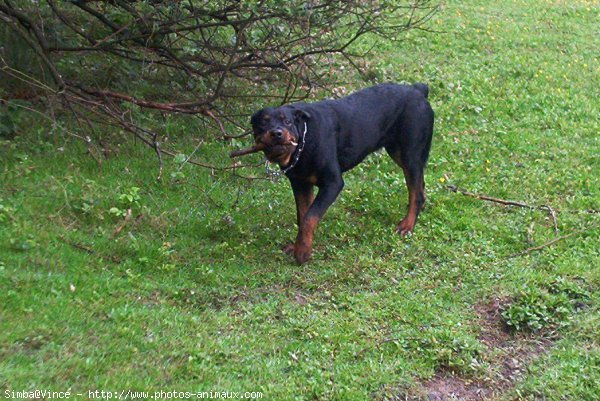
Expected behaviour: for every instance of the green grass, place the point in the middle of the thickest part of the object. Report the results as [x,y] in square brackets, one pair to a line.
[202,298]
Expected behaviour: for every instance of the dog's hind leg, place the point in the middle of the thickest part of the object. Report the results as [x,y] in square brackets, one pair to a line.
[415,182]
[409,147]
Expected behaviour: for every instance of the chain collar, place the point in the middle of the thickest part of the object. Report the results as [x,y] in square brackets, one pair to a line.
[275,174]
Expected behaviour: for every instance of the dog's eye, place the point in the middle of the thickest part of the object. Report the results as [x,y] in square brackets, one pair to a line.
[287,122]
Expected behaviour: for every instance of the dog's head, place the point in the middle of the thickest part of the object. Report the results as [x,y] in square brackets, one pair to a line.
[279,130]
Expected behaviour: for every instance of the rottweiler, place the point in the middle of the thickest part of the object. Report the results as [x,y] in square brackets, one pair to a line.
[314,143]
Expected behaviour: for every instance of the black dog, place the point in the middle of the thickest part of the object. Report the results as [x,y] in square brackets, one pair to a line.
[315,143]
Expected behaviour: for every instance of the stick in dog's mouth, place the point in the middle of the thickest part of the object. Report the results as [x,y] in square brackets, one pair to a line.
[253,149]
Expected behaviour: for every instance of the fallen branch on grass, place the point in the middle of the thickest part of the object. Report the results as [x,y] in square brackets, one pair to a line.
[540,247]
[550,209]
[454,188]
[89,250]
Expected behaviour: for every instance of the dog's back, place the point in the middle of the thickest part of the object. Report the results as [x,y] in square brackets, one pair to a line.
[373,118]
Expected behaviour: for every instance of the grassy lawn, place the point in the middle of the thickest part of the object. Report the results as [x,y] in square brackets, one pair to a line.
[192,292]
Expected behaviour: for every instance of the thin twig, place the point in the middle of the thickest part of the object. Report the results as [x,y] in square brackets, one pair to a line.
[122,225]
[89,250]
[454,188]
[553,215]
[52,120]
[550,209]
[156,146]
[544,245]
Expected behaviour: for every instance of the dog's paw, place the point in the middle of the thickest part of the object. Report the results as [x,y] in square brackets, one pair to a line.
[302,254]
[288,249]
[405,227]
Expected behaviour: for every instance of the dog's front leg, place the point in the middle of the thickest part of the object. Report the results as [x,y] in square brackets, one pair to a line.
[304,197]
[328,192]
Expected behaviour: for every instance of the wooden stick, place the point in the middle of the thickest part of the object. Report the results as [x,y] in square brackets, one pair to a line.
[89,250]
[256,148]
[122,225]
[544,245]
[454,188]
[550,209]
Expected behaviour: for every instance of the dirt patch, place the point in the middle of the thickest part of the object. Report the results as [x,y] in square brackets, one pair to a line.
[508,357]
[447,387]
[510,353]
[494,332]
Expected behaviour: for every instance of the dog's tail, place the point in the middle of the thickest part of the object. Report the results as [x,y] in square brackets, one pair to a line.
[424,89]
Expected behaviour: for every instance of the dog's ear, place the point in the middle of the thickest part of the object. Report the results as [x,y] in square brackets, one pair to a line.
[256,117]
[301,115]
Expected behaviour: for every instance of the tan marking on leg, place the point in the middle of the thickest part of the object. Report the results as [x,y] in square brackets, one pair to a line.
[303,202]
[408,223]
[304,241]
